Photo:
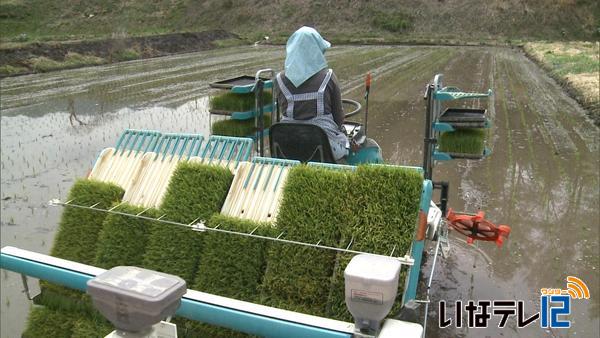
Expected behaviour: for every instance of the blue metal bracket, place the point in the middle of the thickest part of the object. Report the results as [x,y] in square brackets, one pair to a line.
[441,126]
[177,144]
[139,141]
[453,93]
[416,252]
[210,309]
[250,88]
[227,148]
[332,166]
[251,113]
[440,156]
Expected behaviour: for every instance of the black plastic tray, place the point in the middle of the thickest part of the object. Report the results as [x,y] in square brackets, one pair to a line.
[243,80]
[464,117]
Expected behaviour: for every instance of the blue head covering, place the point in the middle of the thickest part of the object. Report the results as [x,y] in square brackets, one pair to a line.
[305,55]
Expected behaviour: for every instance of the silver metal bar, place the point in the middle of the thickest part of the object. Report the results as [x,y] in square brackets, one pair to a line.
[142,212]
[94,205]
[393,249]
[116,206]
[196,296]
[26,286]
[194,221]
[163,215]
[201,227]
[251,232]
[427,301]
[350,244]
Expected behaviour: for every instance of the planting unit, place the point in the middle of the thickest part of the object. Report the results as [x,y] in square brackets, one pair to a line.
[456,132]
[246,101]
[277,247]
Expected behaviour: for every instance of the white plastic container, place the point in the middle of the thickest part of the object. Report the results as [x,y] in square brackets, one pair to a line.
[371,288]
[133,299]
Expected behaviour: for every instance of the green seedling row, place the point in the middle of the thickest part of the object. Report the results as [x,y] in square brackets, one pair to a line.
[233,102]
[463,141]
[231,265]
[79,228]
[44,322]
[195,192]
[313,209]
[238,128]
[94,327]
[123,239]
[384,207]
[76,240]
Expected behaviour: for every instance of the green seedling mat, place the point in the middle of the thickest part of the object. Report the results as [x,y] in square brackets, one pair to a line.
[231,265]
[312,209]
[44,322]
[238,128]
[232,102]
[463,141]
[78,230]
[123,239]
[384,206]
[195,192]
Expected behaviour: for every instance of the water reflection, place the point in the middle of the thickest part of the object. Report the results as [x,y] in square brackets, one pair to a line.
[547,193]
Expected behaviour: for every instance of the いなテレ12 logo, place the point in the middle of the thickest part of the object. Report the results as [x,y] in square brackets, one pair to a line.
[555,304]
[555,307]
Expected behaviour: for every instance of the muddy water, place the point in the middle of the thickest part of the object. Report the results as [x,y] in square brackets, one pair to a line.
[542,177]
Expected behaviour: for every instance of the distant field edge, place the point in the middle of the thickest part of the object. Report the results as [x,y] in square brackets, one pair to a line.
[41,57]
[575,66]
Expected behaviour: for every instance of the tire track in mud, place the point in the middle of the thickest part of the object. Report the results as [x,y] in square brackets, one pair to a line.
[112,86]
[397,102]
[130,85]
[546,106]
[403,60]
[545,179]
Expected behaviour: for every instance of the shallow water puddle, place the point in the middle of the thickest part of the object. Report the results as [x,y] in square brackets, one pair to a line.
[541,179]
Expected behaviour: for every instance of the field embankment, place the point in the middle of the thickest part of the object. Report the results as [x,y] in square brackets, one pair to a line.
[45,56]
[30,28]
[576,66]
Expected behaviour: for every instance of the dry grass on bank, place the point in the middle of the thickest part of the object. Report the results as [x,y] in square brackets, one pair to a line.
[574,64]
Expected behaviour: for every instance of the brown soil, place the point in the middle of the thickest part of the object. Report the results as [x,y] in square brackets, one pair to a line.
[147,47]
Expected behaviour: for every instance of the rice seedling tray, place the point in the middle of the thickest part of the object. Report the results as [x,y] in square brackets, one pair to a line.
[465,118]
[239,106]
[240,84]
[240,128]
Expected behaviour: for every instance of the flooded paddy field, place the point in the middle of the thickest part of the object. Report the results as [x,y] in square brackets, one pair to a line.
[542,177]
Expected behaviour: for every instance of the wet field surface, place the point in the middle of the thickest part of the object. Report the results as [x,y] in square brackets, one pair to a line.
[542,177]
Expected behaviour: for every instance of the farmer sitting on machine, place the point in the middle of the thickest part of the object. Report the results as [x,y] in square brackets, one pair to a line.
[308,91]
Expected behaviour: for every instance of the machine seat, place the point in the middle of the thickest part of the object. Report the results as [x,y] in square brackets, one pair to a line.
[300,141]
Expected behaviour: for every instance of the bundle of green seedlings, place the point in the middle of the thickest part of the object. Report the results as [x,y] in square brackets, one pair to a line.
[238,128]
[463,141]
[313,209]
[233,102]
[123,239]
[195,192]
[383,211]
[231,266]
[47,322]
[76,240]
[94,327]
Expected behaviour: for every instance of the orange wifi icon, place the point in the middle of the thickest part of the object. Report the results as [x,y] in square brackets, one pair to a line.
[577,288]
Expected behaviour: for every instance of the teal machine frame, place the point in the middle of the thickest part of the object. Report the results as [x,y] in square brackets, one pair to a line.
[211,309]
[237,315]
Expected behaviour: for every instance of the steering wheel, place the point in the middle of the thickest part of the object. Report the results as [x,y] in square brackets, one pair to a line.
[355,105]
